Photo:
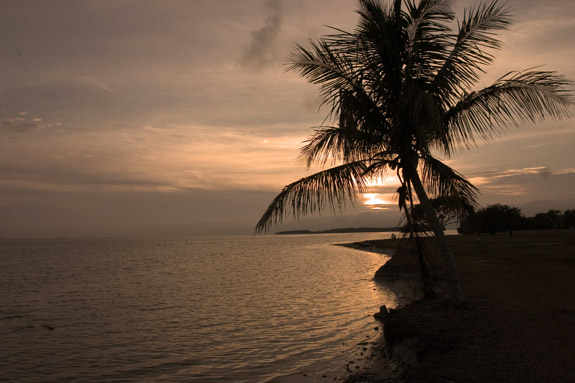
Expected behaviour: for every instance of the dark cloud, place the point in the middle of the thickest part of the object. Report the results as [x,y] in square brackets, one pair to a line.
[260,51]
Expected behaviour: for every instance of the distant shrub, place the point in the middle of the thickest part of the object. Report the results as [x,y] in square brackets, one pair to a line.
[498,217]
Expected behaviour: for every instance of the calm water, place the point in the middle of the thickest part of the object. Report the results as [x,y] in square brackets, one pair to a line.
[210,309]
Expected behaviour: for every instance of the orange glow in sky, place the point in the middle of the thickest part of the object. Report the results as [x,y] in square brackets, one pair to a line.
[377,201]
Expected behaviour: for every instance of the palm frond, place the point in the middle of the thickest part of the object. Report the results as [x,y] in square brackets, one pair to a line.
[380,162]
[381,40]
[427,37]
[335,188]
[359,134]
[336,70]
[513,99]
[334,144]
[425,115]
[320,64]
[443,181]
[470,51]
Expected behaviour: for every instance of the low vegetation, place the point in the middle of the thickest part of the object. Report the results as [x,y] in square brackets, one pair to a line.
[497,218]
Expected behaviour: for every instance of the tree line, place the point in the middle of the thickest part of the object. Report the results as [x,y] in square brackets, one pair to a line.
[496,218]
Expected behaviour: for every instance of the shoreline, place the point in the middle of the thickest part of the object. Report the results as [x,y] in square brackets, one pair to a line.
[517,322]
[362,362]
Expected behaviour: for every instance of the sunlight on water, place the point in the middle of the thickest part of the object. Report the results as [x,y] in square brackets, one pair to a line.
[213,309]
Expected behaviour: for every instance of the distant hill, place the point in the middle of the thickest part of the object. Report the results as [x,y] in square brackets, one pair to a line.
[343,230]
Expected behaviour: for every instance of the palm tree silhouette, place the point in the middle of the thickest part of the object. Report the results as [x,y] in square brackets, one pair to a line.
[399,88]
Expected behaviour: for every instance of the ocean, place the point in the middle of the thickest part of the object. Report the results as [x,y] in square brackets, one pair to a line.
[199,309]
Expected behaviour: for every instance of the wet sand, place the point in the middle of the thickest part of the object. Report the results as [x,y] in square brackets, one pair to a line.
[363,358]
[519,321]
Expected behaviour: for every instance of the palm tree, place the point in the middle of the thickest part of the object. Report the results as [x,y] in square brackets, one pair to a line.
[399,89]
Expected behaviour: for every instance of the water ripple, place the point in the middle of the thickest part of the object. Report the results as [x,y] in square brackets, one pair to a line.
[226,309]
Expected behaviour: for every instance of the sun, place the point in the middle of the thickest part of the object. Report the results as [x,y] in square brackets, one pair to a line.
[374,199]
[377,201]
[378,198]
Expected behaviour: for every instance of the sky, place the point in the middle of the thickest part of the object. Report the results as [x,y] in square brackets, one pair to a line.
[176,117]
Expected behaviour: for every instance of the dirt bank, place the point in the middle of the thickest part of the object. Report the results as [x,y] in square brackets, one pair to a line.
[519,321]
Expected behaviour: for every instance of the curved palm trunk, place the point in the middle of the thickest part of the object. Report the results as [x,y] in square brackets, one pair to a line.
[450,269]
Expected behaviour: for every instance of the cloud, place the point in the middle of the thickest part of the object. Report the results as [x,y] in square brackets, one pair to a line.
[565,171]
[530,187]
[379,201]
[487,177]
[19,125]
[154,158]
[260,51]
[24,124]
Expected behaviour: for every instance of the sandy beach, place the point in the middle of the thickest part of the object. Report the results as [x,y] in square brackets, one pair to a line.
[517,325]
